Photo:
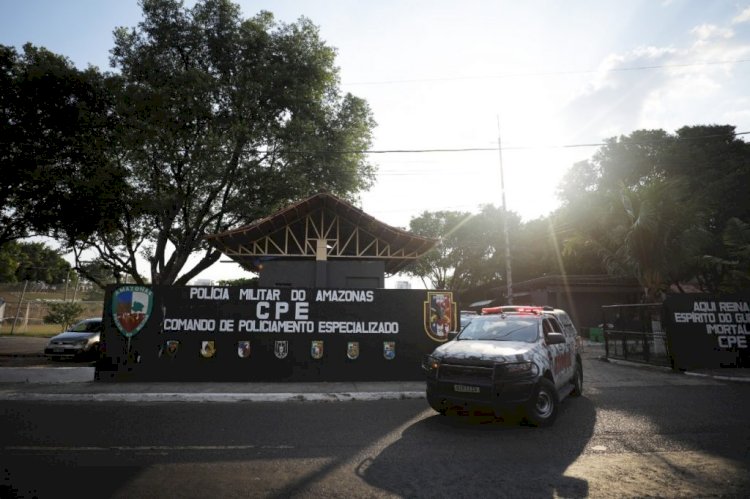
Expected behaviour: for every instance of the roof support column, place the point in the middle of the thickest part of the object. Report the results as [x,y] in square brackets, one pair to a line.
[321,263]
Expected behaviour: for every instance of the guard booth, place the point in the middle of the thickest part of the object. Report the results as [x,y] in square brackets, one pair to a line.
[319,312]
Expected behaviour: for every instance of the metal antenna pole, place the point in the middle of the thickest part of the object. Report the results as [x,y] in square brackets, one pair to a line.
[508,273]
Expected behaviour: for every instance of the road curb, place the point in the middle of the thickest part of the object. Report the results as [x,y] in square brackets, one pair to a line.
[718,376]
[46,374]
[210,397]
[636,364]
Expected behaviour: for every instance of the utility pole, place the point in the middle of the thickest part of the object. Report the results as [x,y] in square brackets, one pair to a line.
[508,273]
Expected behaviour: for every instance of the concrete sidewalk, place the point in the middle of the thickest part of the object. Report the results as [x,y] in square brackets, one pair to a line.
[212,392]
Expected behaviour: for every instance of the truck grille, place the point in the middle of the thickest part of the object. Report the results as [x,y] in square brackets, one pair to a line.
[465,374]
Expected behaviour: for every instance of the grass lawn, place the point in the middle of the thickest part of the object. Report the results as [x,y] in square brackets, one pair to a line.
[41,330]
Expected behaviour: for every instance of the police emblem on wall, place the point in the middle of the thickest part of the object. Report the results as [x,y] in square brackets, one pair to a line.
[281,349]
[243,349]
[316,349]
[389,350]
[131,308]
[171,347]
[352,350]
[208,349]
[440,313]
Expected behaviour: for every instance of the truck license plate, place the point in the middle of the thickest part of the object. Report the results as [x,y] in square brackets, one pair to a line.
[58,350]
[466,389]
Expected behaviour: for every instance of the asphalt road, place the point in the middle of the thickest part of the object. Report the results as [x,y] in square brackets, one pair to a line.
[635,432]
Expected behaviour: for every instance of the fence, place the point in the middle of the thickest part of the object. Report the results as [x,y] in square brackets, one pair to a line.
[635,333]
[23,306]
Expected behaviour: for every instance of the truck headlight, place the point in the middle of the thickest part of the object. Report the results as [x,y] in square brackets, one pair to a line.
[521,369]
[430,364]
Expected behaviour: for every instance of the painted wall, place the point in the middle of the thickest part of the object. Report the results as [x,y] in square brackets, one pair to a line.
[196,333]
[708,331]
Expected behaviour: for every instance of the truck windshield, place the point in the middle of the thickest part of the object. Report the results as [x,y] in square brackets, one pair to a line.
[501,328]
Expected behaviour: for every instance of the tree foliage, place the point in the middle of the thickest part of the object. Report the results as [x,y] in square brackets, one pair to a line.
[665,209]
[55,125]
[222,120]
[446,265]
[655,206]
[63,313]
[33,261]
[471,252]
[243,281]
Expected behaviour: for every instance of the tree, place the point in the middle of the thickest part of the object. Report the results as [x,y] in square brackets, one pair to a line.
[98,272]
[440,268]
[33,261]
[652,205]
[63,313]
[471,251]
[9,261]
[55,124]
[242,281]
[39,262]
[735,267]
[223,120]
[541,247]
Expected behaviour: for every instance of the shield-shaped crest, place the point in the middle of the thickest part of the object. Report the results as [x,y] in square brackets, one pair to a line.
[389,350]
[208,349]
[316,349]
[352,350]
[243,349]
[171,347]
[439,315]
[131,308]
[281,349]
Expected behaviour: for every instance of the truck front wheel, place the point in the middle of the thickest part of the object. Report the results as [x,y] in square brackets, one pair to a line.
[542,407]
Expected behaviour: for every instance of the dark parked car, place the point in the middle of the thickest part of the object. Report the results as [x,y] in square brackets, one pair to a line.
[508,358]
[81,341]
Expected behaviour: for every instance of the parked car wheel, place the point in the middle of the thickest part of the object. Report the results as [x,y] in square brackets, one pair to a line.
[542,408]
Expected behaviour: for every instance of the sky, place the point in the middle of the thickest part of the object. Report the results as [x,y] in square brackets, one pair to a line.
[547,79]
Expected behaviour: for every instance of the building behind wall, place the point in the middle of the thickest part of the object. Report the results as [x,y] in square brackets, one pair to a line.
[311,274]
[321,242]
[581,296]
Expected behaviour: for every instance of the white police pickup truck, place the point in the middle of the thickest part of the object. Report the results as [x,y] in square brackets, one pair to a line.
[509,357]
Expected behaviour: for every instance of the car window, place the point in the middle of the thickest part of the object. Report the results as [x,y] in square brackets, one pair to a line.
[87,327]
[501,328]
[553,325]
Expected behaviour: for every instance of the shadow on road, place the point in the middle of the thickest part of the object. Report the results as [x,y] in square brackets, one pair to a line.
[458,456]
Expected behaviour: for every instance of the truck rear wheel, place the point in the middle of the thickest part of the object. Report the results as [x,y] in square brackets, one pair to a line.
[578,381]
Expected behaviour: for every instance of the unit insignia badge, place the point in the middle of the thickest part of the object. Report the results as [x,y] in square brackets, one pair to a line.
[281,349]
[131,308]
[352,350]
[316,349]
[389,350]
[208,349]
[440,315]
[243,349]
[171,347]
